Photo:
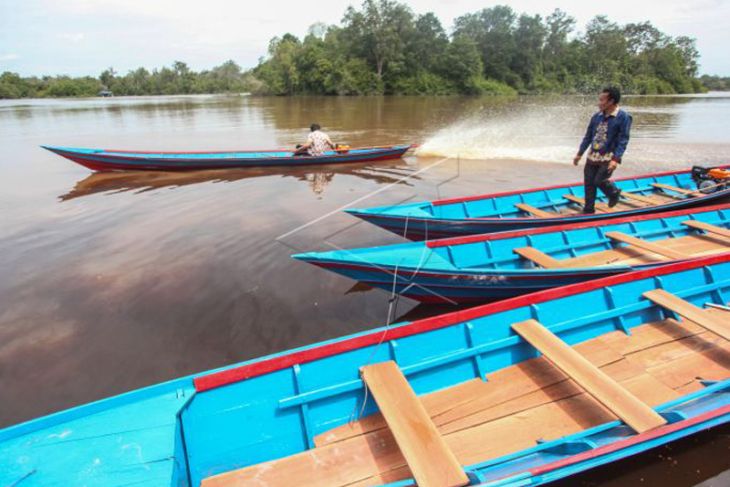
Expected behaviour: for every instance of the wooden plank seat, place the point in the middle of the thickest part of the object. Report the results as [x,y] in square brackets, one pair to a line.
[639,198]
[597,383]
[429,458]
[538,257]
[690,312]
[577,199]
[707,227]
[534,211]
[683,191]
[645,245]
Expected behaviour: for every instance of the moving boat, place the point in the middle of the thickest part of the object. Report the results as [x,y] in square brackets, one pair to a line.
[520,392]
[492,266]
[539,207]
[120,160]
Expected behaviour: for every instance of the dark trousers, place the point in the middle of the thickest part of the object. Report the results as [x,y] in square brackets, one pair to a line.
[597,175]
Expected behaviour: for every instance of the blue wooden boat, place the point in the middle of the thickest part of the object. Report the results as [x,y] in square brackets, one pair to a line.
[493,266]
[635,361]
[120,160]
[554,205]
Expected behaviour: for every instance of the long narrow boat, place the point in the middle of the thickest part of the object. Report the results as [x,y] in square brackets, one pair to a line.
[539,207]
[491,266]
[627,363]
[121,160]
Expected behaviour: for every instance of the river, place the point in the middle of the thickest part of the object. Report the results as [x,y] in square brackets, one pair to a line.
[110,282]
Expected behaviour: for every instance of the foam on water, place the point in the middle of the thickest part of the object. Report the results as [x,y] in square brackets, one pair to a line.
[528,133]
[661,136]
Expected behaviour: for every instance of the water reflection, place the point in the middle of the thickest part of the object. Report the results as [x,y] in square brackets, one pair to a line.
[317,178]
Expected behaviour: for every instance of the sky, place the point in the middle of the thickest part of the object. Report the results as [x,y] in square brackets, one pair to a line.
[84,37]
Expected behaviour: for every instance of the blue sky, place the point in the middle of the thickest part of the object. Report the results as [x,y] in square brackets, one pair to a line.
[78,37]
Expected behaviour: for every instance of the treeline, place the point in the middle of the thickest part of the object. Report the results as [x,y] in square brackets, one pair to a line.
[715,83]
[174,80]
[384,48]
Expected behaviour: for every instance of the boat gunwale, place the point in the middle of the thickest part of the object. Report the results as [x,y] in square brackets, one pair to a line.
[464,239]
[463,199]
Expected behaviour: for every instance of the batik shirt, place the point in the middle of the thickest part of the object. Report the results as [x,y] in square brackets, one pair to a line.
[607,136]
[319,143]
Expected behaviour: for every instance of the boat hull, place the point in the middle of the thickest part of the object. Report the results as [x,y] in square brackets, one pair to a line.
[461,216]
[102,160]
[480,268]
[183,432]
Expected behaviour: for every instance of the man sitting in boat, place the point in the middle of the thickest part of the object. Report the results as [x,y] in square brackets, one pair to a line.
[317,143]
[607,135]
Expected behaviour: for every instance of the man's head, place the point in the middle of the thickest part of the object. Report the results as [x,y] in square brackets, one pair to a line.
[314,127]
[608,98]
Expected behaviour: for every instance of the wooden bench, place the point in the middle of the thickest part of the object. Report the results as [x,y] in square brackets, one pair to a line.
[639,198]
[534,211]
[600,386]
[643,244]
[689,311]
[684,191]
[431,461]
[707,227]
[538,257]
[576,199]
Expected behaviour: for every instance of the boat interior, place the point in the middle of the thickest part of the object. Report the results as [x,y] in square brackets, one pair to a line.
[636,194]
[563,390]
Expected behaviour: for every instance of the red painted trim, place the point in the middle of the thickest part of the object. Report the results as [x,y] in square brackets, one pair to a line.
[462,199]
[265,366]
[559,228]
[640,438]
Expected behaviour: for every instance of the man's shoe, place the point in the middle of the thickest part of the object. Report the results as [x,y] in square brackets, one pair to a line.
[613,199]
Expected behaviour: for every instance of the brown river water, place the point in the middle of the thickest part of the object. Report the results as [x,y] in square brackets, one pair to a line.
[111,282]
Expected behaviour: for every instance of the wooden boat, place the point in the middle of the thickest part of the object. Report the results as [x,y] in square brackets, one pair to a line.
[628,363]
[492,266]
[120,160]
[539,207]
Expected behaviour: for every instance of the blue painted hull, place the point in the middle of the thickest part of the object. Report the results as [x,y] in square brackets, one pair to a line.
[111,160]
[496,212]
[181,432]
[484,268]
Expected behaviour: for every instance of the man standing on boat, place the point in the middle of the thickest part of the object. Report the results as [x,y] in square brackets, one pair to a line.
[317,143]
[607,136]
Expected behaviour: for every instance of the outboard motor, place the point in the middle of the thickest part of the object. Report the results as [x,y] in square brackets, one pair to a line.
[710,179]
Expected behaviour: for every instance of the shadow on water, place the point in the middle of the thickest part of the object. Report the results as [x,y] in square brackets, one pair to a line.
[318,178]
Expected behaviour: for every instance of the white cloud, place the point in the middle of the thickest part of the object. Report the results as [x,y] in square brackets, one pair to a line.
[9,57]
[72,36]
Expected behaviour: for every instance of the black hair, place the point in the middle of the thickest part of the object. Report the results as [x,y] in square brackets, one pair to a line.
[314,126]
[613,93]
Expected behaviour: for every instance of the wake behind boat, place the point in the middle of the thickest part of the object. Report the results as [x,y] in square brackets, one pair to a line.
[122,160]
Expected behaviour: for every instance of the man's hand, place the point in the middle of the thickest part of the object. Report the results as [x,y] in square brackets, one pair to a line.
[612,166]
[576,160]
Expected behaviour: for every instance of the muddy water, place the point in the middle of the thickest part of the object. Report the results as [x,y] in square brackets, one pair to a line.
[110,282]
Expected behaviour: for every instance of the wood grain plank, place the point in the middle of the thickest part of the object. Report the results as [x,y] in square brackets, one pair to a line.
[689,311]
[707,227]
[429,458]
[645,245]
[597,383]
[534,211]
[538,257]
